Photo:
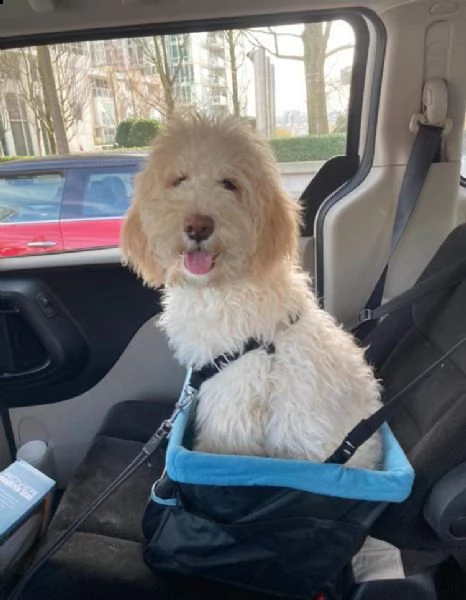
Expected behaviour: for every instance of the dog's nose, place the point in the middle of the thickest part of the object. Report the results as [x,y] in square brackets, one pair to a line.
[199,227]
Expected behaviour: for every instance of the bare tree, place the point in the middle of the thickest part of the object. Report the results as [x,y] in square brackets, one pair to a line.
[236,57]
[51,97]
[156,50]
[315,52]
[4,150]
[73,84]
[31,73]
[18,68]
[141,92]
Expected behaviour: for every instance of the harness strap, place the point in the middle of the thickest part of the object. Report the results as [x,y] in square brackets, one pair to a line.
[444,279]
[199,376]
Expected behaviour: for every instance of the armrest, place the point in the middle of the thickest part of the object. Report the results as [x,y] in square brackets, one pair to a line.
[445,508]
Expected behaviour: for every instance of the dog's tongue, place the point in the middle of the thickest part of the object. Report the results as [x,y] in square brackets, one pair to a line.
[198,262]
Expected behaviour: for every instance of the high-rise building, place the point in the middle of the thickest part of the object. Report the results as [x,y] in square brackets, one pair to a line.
[264,86]
[102,83]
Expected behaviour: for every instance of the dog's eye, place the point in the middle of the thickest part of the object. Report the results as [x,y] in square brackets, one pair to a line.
[179,180]
[228,185]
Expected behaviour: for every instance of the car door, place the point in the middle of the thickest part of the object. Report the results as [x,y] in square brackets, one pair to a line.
[95,202]
[29,212]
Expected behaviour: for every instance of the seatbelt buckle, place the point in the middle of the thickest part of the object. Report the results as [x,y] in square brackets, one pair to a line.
[365,315]
[434,107]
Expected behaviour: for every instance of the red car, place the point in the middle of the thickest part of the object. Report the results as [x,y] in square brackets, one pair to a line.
[64,203]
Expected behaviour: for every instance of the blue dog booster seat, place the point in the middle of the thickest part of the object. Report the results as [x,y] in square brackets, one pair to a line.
[286,528]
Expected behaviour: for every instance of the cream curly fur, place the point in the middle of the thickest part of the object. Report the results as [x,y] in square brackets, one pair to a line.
[299,402]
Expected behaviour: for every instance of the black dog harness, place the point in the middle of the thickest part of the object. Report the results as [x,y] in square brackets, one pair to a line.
[199,376]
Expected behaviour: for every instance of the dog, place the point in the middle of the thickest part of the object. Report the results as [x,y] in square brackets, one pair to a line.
[211,222]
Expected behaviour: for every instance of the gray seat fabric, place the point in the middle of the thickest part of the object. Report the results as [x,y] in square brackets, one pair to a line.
[431,424]
[120,439]
[103,559]
[120,516]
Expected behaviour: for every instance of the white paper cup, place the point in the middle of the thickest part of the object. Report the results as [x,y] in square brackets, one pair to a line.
[37,453]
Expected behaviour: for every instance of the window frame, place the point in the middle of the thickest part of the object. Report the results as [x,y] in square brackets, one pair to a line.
[77,178]
[356,18]
[359,19]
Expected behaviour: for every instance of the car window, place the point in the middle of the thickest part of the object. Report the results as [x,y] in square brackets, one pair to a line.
[30,199]
[97,193]
[295,83]
[107,194]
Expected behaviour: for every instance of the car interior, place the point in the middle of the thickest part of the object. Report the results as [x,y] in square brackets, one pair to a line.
[84,368]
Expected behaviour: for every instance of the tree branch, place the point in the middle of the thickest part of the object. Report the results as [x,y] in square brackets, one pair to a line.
[270,31]
[339,49]
[258,44]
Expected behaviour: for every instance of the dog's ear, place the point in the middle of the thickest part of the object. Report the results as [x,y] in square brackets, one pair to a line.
[137,253]
[279,239]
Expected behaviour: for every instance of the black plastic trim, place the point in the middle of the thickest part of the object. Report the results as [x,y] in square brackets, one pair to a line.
[186,26]
[64,349]
[108,304]
[367,158]
[8,431]
[333,174]
[358,77]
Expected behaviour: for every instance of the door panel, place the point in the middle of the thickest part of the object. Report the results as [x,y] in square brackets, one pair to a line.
[129,358]
[108,303]
[40,343]
[95,202]
[146,370]
[30,206]
[19,239]
[87,233]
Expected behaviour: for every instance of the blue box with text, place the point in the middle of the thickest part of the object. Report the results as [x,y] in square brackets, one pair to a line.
[23,490]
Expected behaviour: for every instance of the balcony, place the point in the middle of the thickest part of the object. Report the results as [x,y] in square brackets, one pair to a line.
[218,83]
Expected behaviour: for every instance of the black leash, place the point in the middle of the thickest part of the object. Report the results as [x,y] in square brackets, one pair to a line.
[157,441]
[193,381]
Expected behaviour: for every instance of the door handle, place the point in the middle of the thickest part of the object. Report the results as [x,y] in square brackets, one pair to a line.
[41,244]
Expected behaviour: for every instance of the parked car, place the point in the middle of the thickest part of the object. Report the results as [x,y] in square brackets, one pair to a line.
[64,203]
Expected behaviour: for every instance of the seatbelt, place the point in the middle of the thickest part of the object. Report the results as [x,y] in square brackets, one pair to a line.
[429,127]
[424,152]
[446,278]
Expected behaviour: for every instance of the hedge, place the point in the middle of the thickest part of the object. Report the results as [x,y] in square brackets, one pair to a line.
[123,132]
[292,149]
[131,133]
[306,148]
